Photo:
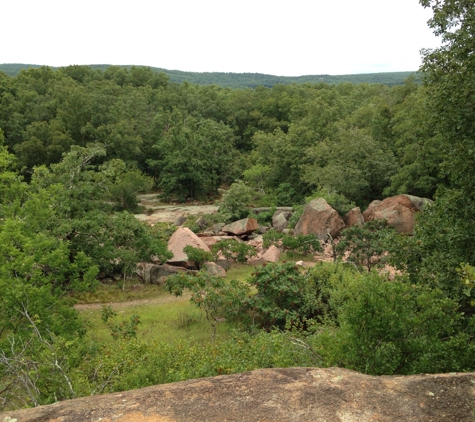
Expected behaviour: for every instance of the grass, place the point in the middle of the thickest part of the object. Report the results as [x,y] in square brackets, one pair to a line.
[241,272]
[294,257]
[111,293]
[159,322]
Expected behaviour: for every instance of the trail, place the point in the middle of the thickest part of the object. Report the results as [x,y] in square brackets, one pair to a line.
[131,303]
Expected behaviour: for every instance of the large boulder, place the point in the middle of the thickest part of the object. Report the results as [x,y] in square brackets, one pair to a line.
[272,254]
[399,211]
[280,220]
[368,213]
[276,394]
[214,269]
[182,237]
[353,217]
[241,227]
[320,219]
[156,274]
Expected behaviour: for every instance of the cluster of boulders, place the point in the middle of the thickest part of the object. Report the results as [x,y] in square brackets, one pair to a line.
[318,218]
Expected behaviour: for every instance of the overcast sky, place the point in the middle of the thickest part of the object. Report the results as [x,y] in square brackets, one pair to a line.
[285,38]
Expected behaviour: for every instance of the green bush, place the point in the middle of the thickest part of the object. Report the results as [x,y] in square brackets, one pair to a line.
[392,328]
[339,202]
[197,255]
[365,245]
[234,203]
[232,249]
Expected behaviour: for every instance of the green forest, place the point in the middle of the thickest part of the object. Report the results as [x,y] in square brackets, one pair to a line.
[78,143]
[243,80]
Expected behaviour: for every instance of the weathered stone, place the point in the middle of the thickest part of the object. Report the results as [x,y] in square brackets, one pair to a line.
[217,228]
[241,227]
[319,218]
[201,223]
[224,263]
[279,395]
[272,254]
[280,220]
[368,213]
[214,269]
[208,240]
[262,230]
[399,211]
[182,237]
[256,260]
[353,217]
[155,274]
[179,221]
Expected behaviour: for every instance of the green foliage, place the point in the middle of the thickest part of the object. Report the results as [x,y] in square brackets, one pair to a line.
[272,237]
[293,245]
[234,202]
[198,255]
[353,164]
[341,204]
[230,80]
[233,249]
[365,245]
[195,155]
[279,299]
[393,328]
[301,244]
[214,295]
[125,184]
[120,330]
[295,217]
[162,231]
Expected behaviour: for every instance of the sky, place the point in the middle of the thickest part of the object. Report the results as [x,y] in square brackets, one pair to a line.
[276,37]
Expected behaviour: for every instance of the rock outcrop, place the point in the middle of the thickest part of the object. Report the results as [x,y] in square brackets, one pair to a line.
[319,218]
[280,220]
[156,274]
[353,217]
[399,211]
[278,395]
[182,237]
[241,227]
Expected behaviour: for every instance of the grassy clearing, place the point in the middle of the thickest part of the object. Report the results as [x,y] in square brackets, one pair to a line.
[241,272]
[111,293]
[294,257]
[159,322]
[163,321]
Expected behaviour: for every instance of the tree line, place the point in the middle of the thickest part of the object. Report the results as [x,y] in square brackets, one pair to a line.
[363,141]
[244,80]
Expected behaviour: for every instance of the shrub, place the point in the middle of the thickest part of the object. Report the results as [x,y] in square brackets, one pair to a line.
[232,249]
[233,204]
[365,245]
[197,255]
[393,328]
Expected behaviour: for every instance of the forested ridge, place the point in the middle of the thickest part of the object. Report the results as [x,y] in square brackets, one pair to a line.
[357,139]
[77,144]
[244,80]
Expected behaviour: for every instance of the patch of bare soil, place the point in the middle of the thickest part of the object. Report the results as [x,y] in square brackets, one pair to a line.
[293,394]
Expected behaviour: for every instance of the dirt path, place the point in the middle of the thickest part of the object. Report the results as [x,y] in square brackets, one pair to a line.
[139,302]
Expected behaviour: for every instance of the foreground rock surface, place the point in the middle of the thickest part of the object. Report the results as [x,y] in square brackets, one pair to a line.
[294,394]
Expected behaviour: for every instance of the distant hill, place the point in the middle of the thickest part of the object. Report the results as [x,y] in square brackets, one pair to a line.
[248,80]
